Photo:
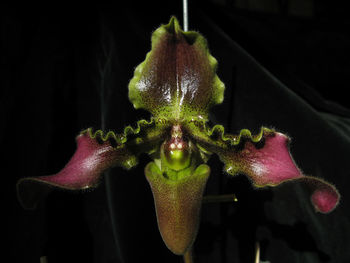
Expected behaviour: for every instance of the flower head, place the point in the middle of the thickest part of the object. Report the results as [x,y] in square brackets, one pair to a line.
[177,84]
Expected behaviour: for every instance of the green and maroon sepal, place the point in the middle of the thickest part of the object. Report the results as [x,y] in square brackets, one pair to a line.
[178,78]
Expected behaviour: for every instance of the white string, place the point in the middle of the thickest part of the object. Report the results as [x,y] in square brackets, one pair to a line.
[185,14]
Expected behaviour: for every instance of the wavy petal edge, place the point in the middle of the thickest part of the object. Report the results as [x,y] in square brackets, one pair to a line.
[266,160]
[96,151]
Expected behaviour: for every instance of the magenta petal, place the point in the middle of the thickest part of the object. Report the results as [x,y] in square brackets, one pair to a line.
[325,196]
[267,162]
[270,164]
[82,171]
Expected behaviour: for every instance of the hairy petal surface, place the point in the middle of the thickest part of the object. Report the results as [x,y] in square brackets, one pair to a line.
[95,153]
[265,159]
[178,205]
[177,80]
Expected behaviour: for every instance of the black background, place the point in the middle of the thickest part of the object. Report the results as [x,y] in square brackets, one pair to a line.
[282,71]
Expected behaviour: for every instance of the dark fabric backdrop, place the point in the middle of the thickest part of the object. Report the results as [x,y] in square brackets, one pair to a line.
[67,68]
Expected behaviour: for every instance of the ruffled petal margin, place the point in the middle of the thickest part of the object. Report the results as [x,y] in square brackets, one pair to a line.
[271,164]
[265,159]
[95,153]
[81,172]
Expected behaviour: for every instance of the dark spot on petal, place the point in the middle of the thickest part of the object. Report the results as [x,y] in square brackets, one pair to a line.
[239,147]
[216,135]
[113,142]
[260,144]
[99,139]
[191,37]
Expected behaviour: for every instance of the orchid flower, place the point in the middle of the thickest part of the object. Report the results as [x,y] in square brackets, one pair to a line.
[177,84]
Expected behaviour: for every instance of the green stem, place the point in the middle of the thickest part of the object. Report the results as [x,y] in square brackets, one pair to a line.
[188,257]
